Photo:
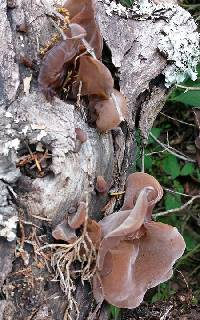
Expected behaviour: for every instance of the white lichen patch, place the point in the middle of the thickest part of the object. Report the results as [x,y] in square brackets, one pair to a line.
[25,130]
[179,39]
[8,228]
[113,7]
[12,144]
[142,9]
[8,114]
[180,44]
[41,135]
[151,9]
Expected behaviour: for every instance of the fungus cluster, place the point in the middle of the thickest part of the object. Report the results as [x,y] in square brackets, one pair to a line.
[125,253]
[134,253]
[78,53]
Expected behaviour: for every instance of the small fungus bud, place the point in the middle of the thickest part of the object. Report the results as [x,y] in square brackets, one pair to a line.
[77,219]
[101,185]
[94,232]
[63,232]
[110,112]
[23,27]
[81,135]
[26,61]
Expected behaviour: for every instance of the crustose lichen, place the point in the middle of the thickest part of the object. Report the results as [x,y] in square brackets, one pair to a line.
[179,39]
[8,228]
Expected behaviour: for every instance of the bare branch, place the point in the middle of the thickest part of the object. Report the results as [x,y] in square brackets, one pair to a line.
[165,213]
[171,151]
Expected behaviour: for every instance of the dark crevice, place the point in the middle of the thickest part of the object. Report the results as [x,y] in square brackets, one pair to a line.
[127,52]
[107,60]
[143,96]
[9,16]
[158,82]
[33,163]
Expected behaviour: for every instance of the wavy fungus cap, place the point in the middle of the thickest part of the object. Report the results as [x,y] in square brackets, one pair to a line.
[83,12]
[135,254]
[135,183]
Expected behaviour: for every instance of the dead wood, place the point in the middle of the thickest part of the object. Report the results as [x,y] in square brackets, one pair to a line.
[29,124]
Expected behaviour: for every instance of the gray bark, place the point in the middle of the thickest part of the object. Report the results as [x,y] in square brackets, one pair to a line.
[28,117]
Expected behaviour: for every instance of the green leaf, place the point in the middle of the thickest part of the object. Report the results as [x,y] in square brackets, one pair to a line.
[177,186]
[115,312]
[188,97]
[172,201]
[127,3]
[171,166]
[148,162]
[197,171]
[191,243]
[191,98]
[163,292]
[187,169]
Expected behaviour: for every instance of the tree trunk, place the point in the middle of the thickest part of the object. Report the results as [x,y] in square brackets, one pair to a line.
[28,122]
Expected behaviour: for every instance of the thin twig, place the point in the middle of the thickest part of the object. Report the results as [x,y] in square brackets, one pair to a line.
[182,275]
[41,218]
[190,6]
[183,122]
[184,206]
[166,313]
[187,256]
[142,161]
[188,88]
[155,152]
[78,102]
[89,49]
[176,192]
[171,148]
[171,151]
[30,224]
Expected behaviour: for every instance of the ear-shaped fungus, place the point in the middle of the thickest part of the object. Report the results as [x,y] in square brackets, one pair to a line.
[95,77]
[111,112]
[77,219]
[83,12]
[135,254]
[65,230]
[53,68]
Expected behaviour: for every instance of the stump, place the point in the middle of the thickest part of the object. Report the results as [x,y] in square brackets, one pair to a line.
[30,123]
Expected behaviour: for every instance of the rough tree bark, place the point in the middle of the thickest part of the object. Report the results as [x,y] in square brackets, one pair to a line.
[131,53]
